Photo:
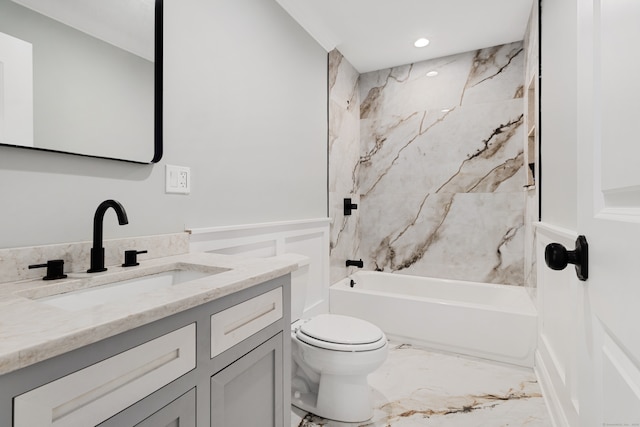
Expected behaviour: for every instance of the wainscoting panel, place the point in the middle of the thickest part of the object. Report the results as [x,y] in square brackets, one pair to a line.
[305,237]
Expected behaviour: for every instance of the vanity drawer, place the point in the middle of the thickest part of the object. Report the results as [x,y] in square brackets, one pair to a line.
[97,392]
[239,322]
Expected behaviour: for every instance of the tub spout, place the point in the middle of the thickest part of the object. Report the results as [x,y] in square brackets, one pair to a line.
[354,263]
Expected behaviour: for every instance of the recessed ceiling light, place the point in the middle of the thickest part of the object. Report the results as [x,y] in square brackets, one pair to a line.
[421,42]
[432,73]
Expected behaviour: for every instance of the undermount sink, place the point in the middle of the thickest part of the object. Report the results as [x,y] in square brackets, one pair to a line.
[123,289]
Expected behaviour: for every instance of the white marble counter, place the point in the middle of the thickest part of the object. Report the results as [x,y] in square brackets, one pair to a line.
[32,331]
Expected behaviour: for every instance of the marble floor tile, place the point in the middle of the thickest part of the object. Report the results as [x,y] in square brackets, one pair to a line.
[418,387]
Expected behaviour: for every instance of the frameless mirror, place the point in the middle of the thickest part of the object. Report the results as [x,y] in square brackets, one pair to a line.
[82,77]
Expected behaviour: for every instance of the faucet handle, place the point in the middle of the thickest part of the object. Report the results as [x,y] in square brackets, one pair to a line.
[131,258]
[55,269]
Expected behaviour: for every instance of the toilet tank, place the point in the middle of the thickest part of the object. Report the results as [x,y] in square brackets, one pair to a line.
[299,283]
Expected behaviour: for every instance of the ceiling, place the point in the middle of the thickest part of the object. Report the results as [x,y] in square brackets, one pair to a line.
[378,34]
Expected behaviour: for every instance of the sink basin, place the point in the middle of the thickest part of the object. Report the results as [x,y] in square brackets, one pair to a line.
[121,290]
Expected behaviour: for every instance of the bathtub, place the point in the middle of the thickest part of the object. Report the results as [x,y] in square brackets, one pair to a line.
[495,322]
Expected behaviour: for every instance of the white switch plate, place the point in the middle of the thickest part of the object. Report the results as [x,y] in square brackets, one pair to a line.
[178,179]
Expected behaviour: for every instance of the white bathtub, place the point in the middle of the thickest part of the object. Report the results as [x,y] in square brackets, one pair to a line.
[496,322]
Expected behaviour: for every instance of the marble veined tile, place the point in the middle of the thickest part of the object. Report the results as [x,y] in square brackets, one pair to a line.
[344,164]
[486,75]
[437,163]
[417,387]
[441,194]
[473,236]
[441,188]
[406,89]
[496,74]
[344,236]
[468,149]
[344,131]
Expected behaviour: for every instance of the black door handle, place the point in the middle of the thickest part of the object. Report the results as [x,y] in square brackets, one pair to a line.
[557,257]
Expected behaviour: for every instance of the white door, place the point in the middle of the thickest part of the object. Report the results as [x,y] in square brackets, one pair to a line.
[608,111]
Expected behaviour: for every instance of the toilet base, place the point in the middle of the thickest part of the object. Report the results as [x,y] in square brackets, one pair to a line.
[339,398]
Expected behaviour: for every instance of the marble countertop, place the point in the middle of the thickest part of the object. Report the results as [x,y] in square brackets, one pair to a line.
[32,331]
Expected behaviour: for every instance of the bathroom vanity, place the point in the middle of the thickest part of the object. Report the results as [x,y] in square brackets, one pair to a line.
[212,349]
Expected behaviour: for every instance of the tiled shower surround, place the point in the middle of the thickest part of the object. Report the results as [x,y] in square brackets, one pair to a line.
[344,161]
[435,163]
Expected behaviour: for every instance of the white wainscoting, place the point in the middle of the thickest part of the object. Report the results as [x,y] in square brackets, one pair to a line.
[305,237]
[559,317]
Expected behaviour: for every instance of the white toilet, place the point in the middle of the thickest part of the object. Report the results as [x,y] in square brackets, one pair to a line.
[332,357]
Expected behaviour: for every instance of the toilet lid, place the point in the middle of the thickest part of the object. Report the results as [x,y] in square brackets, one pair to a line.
[337,329]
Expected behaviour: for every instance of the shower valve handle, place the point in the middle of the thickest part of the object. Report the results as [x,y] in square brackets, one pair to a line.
[348,206]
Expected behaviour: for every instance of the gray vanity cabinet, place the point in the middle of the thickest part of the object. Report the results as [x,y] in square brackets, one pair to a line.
[224,363]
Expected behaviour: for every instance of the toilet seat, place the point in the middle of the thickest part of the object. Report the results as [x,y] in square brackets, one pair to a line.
[341,333]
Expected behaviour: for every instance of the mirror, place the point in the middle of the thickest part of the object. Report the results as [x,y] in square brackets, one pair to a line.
[82,77]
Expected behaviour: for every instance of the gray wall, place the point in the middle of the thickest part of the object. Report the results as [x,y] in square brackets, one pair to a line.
[245,108]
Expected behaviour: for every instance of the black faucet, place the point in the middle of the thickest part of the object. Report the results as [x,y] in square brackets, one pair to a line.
[97,252]
[353,263]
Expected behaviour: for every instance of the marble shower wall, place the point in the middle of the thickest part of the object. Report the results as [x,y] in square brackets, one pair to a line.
[440,173]
[344,156]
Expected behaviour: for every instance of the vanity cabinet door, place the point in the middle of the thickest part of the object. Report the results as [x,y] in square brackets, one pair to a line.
[249,392]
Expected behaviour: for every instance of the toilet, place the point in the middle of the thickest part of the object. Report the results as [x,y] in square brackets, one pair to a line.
[332,357]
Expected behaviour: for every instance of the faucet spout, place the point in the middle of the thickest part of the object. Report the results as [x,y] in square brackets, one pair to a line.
[353,263]
[97,251]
